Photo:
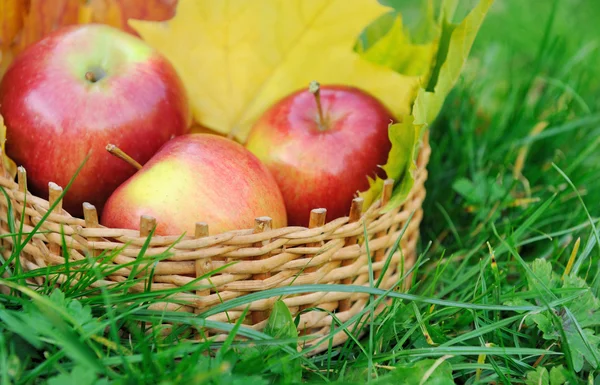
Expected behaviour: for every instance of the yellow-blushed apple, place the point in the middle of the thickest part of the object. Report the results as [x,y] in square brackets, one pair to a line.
[197,178]
[321,144]
[78,89]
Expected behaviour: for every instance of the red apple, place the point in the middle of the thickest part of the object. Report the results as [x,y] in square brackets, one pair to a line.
[79,89]
[321,159]
[197,178]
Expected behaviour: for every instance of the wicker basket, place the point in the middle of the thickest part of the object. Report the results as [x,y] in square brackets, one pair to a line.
[332,252]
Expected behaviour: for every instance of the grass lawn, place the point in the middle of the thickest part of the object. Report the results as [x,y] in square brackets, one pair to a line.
[507,285]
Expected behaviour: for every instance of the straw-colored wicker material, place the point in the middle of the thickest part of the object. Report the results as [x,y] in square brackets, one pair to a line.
[259,258]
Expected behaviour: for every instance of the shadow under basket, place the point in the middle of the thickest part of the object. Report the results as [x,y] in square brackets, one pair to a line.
[233,264]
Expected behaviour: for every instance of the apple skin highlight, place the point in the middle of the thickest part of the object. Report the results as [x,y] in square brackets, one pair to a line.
[322,168]
[55,116]
[198,178]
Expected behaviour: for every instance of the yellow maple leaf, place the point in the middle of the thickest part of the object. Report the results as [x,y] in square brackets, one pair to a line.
[238,57]
[412,59]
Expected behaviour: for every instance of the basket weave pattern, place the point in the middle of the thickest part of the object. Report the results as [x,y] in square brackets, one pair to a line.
[261,258]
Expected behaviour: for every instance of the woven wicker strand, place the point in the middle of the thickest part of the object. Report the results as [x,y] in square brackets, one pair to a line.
[251,260]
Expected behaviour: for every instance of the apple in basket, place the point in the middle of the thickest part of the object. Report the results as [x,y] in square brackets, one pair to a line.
[197,178]
[321,144]
[76,90]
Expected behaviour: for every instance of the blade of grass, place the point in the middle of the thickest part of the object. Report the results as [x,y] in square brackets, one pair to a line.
[579,260]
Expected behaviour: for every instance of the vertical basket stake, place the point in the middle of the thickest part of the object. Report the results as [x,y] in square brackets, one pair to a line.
[54,192]
[261,224]
[3,210]
[355,213]
[19,206]
[147,223]
[388,187]
[22,179]
[2,164]
[90,215]
[203,265]
[3,213]
[317,219]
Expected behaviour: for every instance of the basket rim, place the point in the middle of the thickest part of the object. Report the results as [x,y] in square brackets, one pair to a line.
[92,228]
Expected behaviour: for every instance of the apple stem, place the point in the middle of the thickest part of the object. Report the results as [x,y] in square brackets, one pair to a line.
[116,151]
[315,89]
[89,76]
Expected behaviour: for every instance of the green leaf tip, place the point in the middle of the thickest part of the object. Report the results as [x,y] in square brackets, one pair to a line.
[452,47]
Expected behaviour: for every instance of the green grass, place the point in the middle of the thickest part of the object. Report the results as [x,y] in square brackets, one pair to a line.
[489,302]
